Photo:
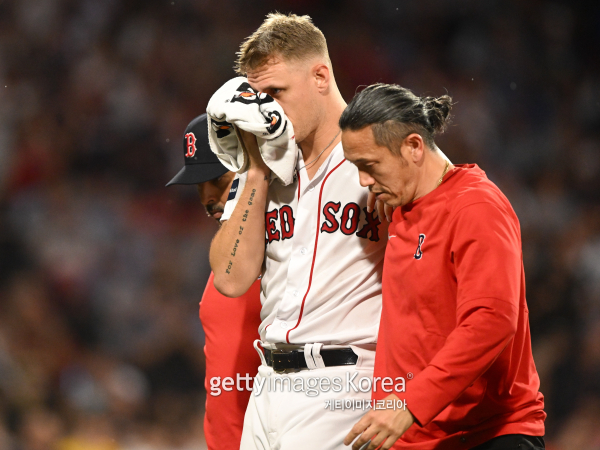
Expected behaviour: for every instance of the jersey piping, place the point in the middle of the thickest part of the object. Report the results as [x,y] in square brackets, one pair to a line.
[312,267]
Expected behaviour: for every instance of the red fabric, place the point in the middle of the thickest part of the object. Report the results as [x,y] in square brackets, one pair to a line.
[457,318]
[230,326]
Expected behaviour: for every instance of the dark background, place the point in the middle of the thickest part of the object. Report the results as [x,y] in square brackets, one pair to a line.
[102,268]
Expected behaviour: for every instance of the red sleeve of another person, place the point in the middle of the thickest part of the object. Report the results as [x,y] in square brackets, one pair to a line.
[486,259]
[230,327]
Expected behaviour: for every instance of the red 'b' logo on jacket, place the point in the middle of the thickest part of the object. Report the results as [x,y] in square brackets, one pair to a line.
[191,145]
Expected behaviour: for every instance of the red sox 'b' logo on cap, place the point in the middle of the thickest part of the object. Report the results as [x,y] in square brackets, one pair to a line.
[191,145]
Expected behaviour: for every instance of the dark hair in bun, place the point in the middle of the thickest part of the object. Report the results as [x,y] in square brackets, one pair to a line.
[395,112]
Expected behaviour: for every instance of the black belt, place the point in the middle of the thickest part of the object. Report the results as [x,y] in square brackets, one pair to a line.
[513,441]
[281,360]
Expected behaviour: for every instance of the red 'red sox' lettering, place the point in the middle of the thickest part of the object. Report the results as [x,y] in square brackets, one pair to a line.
[350,218]
[334,218]
[271,226]
[330,224]
[286,217]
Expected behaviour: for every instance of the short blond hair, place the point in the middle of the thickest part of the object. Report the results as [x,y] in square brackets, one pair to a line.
[290,36]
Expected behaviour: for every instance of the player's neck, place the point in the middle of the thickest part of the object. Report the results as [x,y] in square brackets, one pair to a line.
[323,142]
[318,145]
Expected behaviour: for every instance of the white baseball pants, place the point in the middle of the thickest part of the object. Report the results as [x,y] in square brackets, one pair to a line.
[292,411]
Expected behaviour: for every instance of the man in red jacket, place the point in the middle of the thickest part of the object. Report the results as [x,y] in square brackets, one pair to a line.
[230,324]
[454,325]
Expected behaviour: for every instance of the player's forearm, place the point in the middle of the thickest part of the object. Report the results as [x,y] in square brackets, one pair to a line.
[237,251]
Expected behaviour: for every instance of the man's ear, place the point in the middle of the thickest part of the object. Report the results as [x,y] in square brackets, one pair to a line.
[322,76]
[415,146]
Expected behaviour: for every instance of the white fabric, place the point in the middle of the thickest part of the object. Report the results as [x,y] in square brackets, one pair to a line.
[237,104]
[316,354]
[234,194]
[343,303]
[282,419]
[261,355]
[310,362]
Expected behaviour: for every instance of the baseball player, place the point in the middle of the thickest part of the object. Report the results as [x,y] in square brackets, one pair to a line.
[229,324]
[455,319]
[319,251]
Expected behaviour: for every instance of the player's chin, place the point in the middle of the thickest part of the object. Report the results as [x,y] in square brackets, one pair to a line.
[389,200]
[384,198]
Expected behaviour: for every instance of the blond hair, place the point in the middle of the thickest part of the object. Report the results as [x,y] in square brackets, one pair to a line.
[290,36]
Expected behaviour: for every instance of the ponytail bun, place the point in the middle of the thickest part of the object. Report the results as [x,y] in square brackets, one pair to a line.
[438,112]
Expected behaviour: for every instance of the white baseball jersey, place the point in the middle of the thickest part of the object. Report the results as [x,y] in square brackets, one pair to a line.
[321,278]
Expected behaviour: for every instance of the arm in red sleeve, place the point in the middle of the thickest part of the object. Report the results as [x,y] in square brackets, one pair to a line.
[487,258]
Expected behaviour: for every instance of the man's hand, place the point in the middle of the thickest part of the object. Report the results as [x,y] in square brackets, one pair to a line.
[381,426]
[253,152]
[384,212]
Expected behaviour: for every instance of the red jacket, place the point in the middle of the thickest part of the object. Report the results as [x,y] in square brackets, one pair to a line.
[230,327]
[455,322]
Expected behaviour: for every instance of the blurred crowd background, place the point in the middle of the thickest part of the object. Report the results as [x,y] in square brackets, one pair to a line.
[102,268]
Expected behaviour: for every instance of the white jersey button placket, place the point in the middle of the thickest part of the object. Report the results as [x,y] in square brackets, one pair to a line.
[301,255]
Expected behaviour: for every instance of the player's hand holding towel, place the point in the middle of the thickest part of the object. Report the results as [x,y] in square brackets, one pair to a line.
[237,105]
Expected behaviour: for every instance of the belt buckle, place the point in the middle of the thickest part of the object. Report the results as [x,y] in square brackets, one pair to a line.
[283,361]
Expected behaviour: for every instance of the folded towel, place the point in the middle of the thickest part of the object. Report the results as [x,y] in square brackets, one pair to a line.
[237,105]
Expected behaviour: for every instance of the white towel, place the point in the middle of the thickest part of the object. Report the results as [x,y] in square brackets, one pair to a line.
[237,104]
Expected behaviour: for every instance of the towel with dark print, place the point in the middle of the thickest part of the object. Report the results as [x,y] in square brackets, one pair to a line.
[236,105]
